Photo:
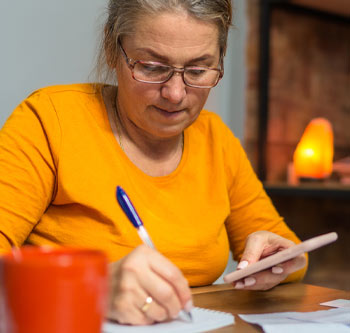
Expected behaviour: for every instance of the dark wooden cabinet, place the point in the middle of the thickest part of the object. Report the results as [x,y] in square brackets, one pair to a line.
[315,209]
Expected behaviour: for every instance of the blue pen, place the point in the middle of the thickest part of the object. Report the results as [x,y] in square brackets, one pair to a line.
[134,218]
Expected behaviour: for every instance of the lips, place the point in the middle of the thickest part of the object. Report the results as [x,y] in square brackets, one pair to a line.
[168,111]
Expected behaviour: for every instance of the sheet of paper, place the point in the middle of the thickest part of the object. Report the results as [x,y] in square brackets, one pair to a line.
[338,303]
[306,328]
[334,320]
[339,315]
[203,320]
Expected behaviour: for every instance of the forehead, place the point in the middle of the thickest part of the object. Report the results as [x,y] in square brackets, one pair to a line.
[175,34]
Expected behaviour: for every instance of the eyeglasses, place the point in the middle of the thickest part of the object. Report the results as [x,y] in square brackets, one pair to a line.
[156,72]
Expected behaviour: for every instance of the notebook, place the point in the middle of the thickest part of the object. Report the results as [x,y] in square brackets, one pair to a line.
[203,320]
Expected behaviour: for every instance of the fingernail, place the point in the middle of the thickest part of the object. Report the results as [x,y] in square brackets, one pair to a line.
[239,285]
[242,264]
[277,270]
[189,305]
[249,281]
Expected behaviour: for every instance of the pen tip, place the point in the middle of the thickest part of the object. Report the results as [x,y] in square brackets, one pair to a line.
[188,315]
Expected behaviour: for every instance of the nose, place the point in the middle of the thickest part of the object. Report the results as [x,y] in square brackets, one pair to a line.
[174,90]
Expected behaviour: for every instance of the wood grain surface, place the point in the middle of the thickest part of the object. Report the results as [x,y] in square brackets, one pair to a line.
[289,297]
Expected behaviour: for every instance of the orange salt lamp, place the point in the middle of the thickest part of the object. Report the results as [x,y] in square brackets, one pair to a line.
[314,153]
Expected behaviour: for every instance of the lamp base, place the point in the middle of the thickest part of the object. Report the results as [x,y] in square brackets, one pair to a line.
[311,180]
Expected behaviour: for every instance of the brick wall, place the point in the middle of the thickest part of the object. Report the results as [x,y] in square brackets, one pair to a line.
[309,77]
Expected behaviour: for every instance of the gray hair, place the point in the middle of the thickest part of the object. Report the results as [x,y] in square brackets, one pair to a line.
[124,14]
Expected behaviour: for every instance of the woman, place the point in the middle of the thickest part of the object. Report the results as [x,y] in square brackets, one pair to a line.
[66,148]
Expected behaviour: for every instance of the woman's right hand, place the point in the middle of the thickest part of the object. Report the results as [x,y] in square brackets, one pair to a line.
[141,274]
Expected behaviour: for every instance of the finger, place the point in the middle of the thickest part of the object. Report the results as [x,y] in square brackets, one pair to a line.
[294,264]
[261,244]
[124,297]
[131,306]
[277,270]
[145,272]
[174,277]
[275,243]
[249,281]
[263,280]
[253,249]
[239,285]
[268,279]
[164,295]
[125,311]
[154,311]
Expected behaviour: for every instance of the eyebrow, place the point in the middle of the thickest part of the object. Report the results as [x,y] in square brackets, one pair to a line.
[162,58]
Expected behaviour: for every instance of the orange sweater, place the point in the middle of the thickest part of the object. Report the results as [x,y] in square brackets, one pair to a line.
[60,164]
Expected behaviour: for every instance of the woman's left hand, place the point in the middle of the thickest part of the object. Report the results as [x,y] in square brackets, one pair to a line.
[262,244]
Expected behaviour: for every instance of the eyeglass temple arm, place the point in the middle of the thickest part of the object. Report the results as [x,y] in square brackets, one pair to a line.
[221,64]
[127,59]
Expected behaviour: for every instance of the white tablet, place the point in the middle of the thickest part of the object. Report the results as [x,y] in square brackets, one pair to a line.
[282,256]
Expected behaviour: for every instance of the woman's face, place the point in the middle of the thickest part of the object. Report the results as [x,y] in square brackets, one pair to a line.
[165,110]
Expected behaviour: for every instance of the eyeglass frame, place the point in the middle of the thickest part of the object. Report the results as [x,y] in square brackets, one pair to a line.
[132,62]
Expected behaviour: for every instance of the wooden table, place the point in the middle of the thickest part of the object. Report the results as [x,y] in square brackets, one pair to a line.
[289,297]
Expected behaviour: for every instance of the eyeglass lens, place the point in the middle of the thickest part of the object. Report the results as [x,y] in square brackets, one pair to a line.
[157,73]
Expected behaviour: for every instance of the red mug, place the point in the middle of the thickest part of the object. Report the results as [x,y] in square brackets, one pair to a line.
[52,290]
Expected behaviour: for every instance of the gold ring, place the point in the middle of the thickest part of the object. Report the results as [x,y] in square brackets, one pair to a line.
[148,302]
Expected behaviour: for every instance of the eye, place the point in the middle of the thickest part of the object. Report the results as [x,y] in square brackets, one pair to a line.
[196,71]
[153,68]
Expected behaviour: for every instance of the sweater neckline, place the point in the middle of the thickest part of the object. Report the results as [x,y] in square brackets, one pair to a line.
[114,131]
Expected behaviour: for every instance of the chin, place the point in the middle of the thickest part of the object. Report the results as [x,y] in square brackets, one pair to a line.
[167,132]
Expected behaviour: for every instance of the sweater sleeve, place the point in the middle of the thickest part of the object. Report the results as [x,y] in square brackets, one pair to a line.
[29,141]
[251,208]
